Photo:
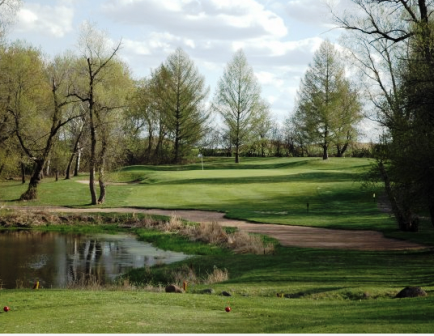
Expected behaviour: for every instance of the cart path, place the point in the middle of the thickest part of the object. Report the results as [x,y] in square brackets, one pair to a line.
[287,235]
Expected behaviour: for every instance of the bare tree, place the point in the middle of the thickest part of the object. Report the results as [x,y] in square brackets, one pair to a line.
[96,61]
[8,9]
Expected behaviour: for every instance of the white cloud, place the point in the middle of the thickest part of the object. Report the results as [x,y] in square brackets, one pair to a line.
[313,12]
[54,21]
[215,19]
[269,78]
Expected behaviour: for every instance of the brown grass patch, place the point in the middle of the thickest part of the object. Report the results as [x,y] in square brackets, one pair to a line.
[217,275]
[240,241]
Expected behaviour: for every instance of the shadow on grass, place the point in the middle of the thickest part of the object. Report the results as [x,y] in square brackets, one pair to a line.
[312,177]
[304,272]
[218,165]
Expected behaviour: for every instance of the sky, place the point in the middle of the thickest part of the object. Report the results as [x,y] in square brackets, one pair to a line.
[279,37]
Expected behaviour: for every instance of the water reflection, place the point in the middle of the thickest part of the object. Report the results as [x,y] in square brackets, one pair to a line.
[57,259]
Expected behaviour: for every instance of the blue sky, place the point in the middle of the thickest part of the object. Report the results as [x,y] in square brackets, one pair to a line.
[279,38]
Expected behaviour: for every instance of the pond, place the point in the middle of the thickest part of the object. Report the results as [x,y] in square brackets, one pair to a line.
[59,259]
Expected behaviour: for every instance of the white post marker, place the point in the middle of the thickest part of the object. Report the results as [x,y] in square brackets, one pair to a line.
[201,157]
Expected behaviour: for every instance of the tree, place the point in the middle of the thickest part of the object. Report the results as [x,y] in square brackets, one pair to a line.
[406,104]
[264,127]
[238,101]
[327,106]
[75,135]
[140,121]
[181,93]
[8,145]
[36,104]
[100,83]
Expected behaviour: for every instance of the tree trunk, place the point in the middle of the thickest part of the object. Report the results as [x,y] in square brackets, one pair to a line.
[149,149]
[68,168]
[102,187]
[101,164]
[176,150]
[325,154]
[341,150]
[237,154]
[32,190]
[92,165]
[157,150]
[48,168]
[74,152]
[23,172]
[77,163]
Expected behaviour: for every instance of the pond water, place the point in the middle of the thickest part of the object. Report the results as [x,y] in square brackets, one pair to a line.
[57,259]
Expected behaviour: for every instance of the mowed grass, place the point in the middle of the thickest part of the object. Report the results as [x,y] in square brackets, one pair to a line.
[268,190]
[59,311]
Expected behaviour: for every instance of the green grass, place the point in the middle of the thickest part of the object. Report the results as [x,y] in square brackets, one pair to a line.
[335,291]
[261,190]
[312,273]
[264,190]
[56,311]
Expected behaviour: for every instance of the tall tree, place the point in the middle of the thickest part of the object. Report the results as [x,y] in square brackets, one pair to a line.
[264,128]
[141,121]
[97,72]
[182,102]
[238,100]
[327,107]
[406,105]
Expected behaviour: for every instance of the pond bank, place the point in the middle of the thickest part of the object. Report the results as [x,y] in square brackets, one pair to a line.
[290,236]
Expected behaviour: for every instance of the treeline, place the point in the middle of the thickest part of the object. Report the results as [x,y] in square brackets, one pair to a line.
[82,111]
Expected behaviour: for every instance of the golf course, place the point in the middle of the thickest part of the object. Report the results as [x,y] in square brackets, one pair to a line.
[336,264]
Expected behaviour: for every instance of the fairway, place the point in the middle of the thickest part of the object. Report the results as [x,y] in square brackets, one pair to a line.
[265,190]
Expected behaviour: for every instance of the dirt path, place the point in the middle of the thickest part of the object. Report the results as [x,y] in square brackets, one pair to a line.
[287,235]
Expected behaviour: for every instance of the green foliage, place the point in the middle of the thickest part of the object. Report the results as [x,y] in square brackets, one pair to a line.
[328,109]
[238,100]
